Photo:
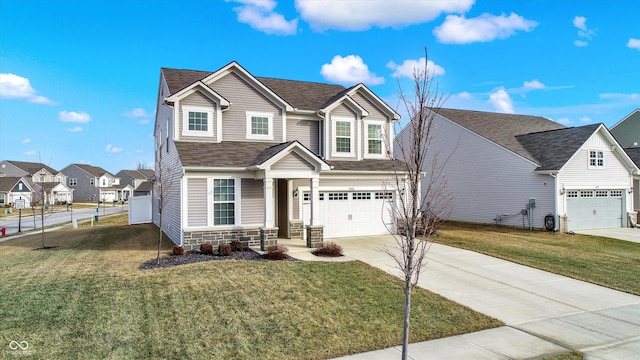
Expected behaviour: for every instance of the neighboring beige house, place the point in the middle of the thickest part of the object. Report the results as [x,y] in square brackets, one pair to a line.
[40,174]
[255,159]
[516,169]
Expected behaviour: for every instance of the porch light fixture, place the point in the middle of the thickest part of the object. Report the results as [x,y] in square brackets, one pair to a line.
[630,190]
[563,190]
[295,193]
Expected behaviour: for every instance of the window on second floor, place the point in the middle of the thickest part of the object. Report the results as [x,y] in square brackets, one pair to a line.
[58,179]
[73,182]
[596,159]
[104,182]
[92,182]
[259,126]
[343,137]
[374,139]
[41,178]
[196,120]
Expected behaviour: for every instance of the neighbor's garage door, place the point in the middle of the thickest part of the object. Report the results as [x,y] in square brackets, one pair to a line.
[594,209]
[348,213]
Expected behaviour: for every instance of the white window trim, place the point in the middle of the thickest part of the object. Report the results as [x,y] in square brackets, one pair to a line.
[237,202]
[383,134]
[185,121]
[251,136]
[334,121]
[604,163]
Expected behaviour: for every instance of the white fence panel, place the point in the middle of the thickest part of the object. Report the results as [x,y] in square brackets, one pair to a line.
[139,209]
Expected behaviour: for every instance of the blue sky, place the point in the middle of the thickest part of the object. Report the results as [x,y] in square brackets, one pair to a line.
[79,79]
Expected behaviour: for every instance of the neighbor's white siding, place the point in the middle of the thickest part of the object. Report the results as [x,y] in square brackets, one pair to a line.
[577,175]
[483,179]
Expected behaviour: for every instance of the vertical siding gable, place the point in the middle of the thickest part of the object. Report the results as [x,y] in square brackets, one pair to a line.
[292,161]
[244,97]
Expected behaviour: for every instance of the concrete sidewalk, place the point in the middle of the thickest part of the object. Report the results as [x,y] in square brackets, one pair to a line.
[545,313]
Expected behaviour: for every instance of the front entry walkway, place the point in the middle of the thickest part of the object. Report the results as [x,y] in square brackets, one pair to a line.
[545,313]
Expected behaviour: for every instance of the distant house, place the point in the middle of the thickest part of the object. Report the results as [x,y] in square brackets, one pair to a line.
[255,159]
[516,169]
[95,184]
[40,174]
[627,133]
[139,179]
[15,187]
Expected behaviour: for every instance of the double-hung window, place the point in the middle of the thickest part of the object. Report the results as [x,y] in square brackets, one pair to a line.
[596,159]
[375,142]
[92,181]
[259,126]
[343,137]
[224,201]
[73,181]
[196,121]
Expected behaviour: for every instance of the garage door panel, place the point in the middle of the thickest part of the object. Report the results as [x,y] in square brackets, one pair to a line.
[594,209]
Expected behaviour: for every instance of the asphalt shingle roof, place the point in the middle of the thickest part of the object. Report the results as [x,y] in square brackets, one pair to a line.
[32,167]
[8,182]
[634,154]
[303,95]
[552,149]
[502,129]
[93,170]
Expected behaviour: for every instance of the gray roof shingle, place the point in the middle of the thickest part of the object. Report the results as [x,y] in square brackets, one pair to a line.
[32,167]
[500,128]
[552,149]
[8,182]
[634,154]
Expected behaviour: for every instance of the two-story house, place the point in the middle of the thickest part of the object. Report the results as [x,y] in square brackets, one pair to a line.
[254,158]
[139,179]
[95,184]
[43,176]
[627,133]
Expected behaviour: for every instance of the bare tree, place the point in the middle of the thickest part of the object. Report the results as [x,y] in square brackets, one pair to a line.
[40,205]
[140,165]
[163,187]
[423,200]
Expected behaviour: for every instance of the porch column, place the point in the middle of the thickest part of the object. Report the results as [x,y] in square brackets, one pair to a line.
[269,203]
[315,201]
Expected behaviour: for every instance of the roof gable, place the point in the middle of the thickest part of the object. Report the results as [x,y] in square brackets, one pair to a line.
[8,182]
[32,167]
[274,154]
[93,170]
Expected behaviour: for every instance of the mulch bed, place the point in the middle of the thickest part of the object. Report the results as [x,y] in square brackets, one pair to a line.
[194,256]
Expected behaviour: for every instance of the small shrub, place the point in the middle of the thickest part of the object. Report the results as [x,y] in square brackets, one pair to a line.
[276,252]
[206,249]
[236,245]
[224,249]
[178,250]
[329,249]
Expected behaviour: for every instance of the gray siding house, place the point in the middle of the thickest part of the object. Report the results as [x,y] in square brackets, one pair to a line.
[254,159]
[501,164]
[95,184]
[627,132]
[139,179]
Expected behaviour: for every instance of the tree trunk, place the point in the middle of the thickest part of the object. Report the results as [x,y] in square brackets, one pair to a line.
[407,312]
[160,241]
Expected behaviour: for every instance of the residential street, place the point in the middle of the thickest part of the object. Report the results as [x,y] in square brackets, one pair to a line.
[11,223]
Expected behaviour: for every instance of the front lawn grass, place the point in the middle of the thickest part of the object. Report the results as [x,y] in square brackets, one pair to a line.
[86,298]
[599,260]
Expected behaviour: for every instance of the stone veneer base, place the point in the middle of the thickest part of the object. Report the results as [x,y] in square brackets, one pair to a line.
[315,236]
[248,237]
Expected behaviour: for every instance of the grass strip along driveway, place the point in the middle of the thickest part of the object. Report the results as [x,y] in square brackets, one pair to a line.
[86,298]
[608,262]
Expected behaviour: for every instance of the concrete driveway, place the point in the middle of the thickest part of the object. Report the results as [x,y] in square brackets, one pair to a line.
[545,313]
[627,234]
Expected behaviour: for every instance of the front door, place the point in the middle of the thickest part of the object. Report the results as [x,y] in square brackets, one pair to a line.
[282,215]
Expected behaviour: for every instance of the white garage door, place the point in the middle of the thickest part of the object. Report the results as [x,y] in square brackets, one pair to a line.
[594,209]
[352,213]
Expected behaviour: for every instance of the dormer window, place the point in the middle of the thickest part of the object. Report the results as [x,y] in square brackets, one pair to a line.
[259,126]
[196,121]
[596,159]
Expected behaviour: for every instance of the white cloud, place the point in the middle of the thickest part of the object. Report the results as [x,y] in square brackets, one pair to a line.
[135,113]
[501,101]
[486,27]
[464,95]
[357,15]
[349,70]
[17,87]
[259,15]
[26,141]
[564,121]
[30,152]
[407,68]
[76,117]
[580,22]
[112,149]
[75,129]
[586,120]
[634,43]
[533,85]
